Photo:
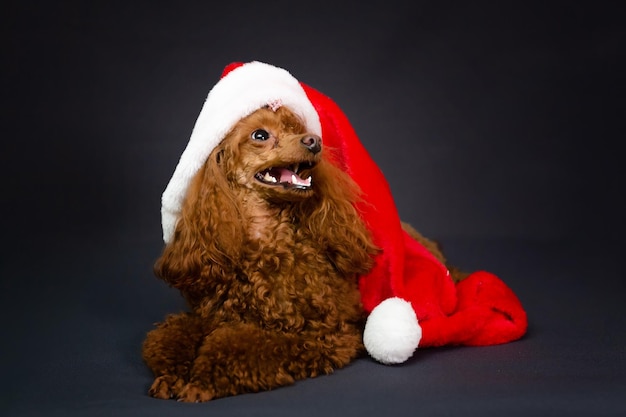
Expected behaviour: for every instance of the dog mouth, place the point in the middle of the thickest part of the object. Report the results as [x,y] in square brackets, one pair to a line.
[293,177]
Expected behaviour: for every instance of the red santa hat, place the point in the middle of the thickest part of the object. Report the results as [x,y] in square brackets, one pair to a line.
[409,295]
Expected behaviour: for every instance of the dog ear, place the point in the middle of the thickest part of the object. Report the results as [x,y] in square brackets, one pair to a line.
[335,221]
[209,235]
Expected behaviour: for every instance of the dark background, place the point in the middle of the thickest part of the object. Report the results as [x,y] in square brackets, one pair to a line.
[498,127]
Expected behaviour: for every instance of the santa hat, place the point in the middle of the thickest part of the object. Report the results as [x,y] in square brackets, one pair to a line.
[409,295]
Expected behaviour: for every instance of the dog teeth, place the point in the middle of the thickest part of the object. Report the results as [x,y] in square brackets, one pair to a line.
[268,178]
[299,181]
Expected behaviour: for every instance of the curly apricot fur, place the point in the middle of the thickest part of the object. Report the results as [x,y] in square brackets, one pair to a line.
[270,273]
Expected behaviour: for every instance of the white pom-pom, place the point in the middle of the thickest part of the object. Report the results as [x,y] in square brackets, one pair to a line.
[392,332]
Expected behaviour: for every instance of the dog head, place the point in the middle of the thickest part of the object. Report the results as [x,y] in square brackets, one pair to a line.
[271,153]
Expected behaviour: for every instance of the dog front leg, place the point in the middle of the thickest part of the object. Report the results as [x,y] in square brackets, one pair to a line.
[169,351]
[242,358]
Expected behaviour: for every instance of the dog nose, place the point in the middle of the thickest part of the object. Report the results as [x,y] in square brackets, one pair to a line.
[312,142]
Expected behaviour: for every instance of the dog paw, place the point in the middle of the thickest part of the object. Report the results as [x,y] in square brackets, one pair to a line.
[194,392]
[166,387]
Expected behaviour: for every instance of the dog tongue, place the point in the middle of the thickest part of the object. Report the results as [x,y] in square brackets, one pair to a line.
[290,177]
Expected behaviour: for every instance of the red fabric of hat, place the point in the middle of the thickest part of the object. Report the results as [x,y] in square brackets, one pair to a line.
[480,310]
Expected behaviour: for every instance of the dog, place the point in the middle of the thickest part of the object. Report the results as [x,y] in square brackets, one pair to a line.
[267,253]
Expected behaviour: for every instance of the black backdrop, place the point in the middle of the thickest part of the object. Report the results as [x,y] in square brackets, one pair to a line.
[496,125]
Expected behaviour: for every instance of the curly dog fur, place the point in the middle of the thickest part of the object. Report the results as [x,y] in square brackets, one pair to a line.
[268,267]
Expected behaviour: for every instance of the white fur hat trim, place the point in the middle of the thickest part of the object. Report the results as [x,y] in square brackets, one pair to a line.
[392,332]
[236,95]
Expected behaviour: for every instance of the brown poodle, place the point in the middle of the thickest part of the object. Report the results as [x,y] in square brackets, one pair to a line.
[267,253]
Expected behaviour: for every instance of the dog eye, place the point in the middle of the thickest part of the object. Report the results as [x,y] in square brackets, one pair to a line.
[260,135]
